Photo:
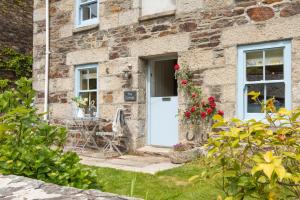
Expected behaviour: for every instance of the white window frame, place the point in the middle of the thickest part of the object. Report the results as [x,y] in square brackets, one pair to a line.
[79,21]
[77,82]
[242,82]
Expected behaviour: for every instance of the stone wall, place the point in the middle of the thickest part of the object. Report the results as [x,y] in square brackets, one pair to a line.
[16,25]
[18,187]
[203,34]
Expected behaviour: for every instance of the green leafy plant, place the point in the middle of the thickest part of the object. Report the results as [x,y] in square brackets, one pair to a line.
[19,63]
[31,147]
[258,159]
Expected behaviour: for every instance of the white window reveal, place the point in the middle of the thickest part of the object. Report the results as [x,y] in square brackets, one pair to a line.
[151,7]
[86,87]
[87,12]
[264,68]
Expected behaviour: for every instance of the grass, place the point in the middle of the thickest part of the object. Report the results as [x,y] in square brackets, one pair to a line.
[166,185]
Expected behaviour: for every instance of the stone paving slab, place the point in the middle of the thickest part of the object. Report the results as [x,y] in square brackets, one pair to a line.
[21,188]
[143,164]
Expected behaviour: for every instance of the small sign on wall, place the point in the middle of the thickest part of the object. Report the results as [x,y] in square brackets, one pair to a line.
[130,96]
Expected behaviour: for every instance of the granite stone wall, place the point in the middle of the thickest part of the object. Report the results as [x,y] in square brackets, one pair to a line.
[203,34]
[16,25]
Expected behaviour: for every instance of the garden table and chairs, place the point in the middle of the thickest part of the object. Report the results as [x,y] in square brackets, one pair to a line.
[84,130]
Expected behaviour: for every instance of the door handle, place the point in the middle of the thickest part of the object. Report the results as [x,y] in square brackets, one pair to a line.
[166,99]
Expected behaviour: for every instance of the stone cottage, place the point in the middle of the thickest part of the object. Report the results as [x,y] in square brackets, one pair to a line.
[121,53]
[16,25]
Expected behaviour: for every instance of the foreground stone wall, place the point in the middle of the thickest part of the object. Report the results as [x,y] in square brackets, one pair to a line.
[203,34]
[17,187]
[16,24]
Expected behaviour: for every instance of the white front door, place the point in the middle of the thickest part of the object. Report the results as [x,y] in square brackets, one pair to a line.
[163,104]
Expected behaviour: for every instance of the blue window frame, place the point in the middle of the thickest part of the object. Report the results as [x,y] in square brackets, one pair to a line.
[265,68]
[86,86]
[87,12]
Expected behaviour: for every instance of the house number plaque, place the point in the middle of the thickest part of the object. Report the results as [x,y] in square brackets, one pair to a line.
[130,95]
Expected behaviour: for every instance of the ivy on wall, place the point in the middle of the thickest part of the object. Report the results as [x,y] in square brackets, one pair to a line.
[20,64]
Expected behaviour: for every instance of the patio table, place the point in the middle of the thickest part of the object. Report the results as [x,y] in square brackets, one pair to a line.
[87,129]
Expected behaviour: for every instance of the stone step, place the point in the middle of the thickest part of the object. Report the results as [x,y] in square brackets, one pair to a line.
[154,151]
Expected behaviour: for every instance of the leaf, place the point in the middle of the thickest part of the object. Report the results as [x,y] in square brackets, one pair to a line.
[218,118]
[295,116]
[268,169]
[256,169]
[218,124]
[284,112]
[229,173]
[268,156]
[281,172]
[254,95]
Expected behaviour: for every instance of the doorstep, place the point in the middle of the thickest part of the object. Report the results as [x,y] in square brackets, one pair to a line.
[154,151]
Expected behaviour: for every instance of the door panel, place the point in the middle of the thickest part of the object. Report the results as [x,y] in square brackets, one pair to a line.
[163,99]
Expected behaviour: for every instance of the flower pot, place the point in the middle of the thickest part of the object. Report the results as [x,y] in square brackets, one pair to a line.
[80,113]
[180,157]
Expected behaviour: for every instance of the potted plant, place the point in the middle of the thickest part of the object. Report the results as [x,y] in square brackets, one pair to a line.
[81,106]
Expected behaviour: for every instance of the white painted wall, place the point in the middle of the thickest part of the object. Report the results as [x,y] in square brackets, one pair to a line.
[150,7]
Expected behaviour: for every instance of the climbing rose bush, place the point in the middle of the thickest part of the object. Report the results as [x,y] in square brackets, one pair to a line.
[198,108]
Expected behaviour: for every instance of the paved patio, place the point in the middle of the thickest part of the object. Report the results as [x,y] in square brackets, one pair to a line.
[143,164]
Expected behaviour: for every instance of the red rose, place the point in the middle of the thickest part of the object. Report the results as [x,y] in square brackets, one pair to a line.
[209,111]
[213,105]
[184,82]
[221,112]
[203,115]
[187,114]
[193,109]
[194,95]
[176,67]
[211,99]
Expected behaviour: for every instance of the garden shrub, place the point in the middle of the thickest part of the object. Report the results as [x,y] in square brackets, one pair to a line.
[199,110]
[20,64]
[31,147]
[258,159]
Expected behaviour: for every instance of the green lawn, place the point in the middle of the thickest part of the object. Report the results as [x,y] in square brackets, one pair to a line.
[170,184]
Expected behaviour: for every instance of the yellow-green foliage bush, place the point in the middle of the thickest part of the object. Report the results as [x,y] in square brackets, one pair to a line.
[258,159]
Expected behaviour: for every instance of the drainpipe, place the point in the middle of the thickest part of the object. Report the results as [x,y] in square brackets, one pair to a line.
[46,91]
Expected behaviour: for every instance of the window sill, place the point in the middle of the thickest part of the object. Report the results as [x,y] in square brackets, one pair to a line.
[157,15]
[85,28]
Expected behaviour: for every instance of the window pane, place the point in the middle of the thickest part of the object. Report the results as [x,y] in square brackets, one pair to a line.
[91,97]
[93,10]
[274,72]
[254,58]
[83,80]
[86,12]
[276,90]
[274,56]
[93,84]
[92,78]
[252,106]
[254,73]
